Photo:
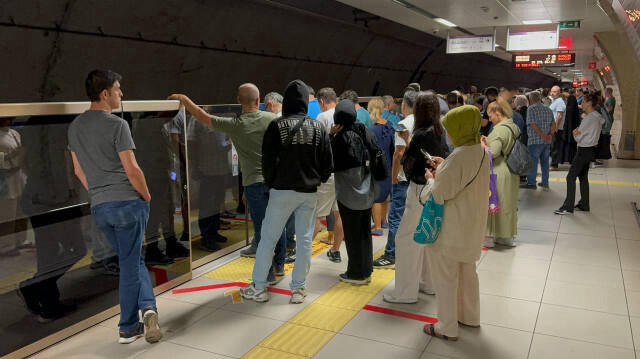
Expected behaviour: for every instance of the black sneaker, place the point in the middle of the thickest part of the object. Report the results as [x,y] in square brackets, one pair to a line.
[279,270]
[95,264]
[30,302]
[209,247]
[154,256]
[334,256]
[132,336]
[384,262]
[271,277]
[111,266]
[221,239]
[581,208]
[345,278]
[562,211]
[248,253]
[291,257]
[527,186]
[185,237]
[58,311]
[176,249]
[543,185]
[150,319]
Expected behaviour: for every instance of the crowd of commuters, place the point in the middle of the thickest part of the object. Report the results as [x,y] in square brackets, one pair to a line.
[313,156]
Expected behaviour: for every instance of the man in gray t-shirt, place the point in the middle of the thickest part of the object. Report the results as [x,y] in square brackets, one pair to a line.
[102,150]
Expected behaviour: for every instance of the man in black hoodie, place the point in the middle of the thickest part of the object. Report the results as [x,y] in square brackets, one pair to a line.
[296,159]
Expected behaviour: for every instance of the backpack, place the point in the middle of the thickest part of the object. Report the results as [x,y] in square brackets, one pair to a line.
[519,159]
[378,164]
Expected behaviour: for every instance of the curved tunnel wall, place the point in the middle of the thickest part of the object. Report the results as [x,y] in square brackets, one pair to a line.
[622,49]
[207,48]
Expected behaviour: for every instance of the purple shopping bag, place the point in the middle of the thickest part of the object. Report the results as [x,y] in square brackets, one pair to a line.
[494,202]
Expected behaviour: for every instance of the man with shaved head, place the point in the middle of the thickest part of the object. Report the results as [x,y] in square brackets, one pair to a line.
[558,107]
[246,132]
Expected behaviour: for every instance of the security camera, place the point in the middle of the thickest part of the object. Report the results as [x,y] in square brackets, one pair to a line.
[435,31]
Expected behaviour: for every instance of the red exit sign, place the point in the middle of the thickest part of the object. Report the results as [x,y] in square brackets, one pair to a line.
[593,65]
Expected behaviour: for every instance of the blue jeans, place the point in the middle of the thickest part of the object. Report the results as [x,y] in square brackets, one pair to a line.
[282,204]
[398,199]
[123,223]
[258,199]
[539,153]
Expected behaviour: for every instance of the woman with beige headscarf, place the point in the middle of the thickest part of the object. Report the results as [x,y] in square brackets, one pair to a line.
[461,183]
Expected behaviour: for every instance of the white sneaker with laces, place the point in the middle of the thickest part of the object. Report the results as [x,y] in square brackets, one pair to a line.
[509,242]
[250,292]
[298,296]
[489,242]
[391,299]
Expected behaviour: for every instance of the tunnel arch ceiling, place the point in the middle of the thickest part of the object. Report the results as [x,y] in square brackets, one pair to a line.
[208,48]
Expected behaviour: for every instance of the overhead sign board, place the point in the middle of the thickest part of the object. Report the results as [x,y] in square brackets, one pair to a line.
[543,60]
[569,24]
[466,44]
[537,40]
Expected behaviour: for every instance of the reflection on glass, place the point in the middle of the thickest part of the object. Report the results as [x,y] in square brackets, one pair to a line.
[56,267]
[218,219]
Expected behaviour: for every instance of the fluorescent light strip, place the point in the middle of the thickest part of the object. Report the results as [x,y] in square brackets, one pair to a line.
[574,70]
[445,22]
[537,22]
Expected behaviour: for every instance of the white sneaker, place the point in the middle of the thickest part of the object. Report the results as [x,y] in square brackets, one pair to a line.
[391,299]
[150,319]
[251,292]
[489,242]
[427,291]
[298,296]
[509,242]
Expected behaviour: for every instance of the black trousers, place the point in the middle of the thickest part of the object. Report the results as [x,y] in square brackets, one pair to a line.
[557,146]
[357,238]
[579,169]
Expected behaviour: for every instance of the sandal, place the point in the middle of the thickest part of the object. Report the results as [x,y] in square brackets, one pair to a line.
[328,241]
[431,330]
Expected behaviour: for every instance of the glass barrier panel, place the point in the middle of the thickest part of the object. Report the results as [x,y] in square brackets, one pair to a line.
[57,269]
[218,221]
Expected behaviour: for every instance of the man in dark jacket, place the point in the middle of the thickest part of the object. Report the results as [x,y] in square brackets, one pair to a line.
[296,159]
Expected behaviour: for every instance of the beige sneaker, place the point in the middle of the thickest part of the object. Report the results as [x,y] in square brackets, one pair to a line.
[153,334]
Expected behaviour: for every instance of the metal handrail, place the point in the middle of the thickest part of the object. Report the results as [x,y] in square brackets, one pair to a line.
[74,108]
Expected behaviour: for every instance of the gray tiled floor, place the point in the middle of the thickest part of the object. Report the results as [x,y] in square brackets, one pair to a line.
[570,289]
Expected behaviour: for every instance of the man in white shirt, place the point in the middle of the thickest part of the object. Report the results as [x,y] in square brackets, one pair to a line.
[273,103]
[557,144]
[587,136]
[399,183]
[327,201]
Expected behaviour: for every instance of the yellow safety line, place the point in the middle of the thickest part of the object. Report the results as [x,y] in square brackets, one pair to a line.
[593,181]
[311,329]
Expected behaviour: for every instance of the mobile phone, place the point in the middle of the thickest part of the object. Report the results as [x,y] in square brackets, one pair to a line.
[426,155]
[399,127]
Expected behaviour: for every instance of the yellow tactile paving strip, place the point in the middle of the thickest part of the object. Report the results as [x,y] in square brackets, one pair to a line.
[240,269]
[592,181]
[311,329]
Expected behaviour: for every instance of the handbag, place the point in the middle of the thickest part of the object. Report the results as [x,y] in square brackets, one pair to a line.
[603,149]
[519,159]
[494,202]
[430,223]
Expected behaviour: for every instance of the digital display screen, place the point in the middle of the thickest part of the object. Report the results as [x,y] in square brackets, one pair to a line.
[537,40]
[543,60]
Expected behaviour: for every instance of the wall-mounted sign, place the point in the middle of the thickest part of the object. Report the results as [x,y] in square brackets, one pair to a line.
[593,65]
[538,40]
[569,25]
[466,44]
[565,43]
[543,60]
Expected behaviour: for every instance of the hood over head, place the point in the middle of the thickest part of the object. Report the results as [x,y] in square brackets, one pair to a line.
[463,125]
[345,113]
[296,99]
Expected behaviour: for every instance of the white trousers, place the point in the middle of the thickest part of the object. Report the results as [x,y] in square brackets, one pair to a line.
[457,291]
[412,261]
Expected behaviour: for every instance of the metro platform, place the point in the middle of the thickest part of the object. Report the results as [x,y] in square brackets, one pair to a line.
[569,289]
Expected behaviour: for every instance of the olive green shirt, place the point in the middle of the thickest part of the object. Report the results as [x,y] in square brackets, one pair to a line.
[246,133]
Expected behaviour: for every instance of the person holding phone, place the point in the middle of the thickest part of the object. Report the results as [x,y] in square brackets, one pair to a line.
[425,146]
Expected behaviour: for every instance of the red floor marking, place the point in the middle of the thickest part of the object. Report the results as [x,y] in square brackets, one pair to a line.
[209,287]
[398,313]
[324,222]
[161,275]
[485,249]
[279,291]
